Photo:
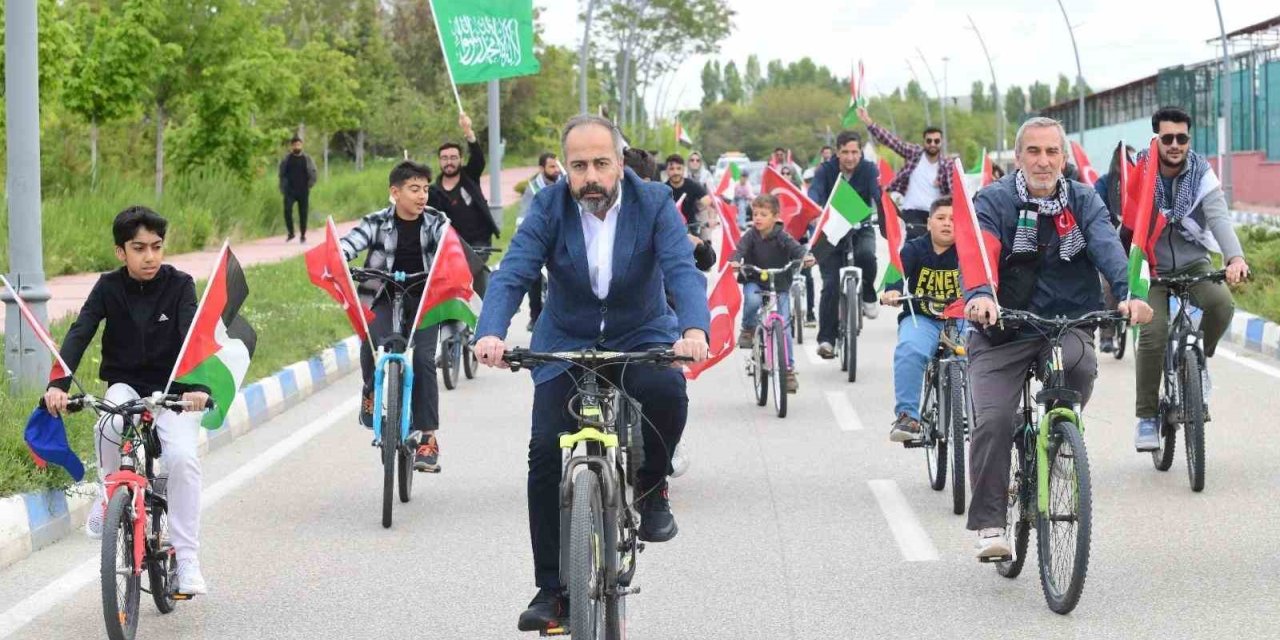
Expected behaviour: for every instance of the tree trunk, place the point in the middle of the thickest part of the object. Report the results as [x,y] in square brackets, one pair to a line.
[93,154]
[360,150]
[160,117]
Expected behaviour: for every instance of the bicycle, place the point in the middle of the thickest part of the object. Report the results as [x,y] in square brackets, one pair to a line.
[393,378]
[798,285]
[1049,481]
[849,316]
[1182,401]
[135,530]
[945,408]
[456,357]
[769,353]
[599,527]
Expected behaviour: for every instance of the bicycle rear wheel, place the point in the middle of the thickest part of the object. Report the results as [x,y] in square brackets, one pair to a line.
[851,322]
[959,405]
[162,564]
[761,366]
[1063,532]
[1121,339]
[121,580]
[450,361]
[797,313]
[1193,418]
[390,438]
[470,365]
[932,429]
[586,558]
[1017,526]
[778,333]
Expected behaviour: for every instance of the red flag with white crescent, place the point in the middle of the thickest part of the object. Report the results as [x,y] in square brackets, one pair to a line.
[725,303]
[797,211]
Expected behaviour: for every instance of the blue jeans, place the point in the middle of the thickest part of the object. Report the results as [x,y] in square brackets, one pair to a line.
[751,301]
[917,342]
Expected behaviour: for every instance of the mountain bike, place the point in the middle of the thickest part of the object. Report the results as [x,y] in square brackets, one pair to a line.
[1182,401]
[393,390]
[769,353]
[945,408]
[849,316]
[599,527]
[455,357]
[135,530]
[1049,482]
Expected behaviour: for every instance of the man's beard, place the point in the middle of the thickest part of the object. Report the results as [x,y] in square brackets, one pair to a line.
[449,170]
[932,154]
[550,178]
[297,152]
[597,205]
[1173,165]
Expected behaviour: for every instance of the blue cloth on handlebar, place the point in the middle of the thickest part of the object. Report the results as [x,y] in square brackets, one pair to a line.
[46,435]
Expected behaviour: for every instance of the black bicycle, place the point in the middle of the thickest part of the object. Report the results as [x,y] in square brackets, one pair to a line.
[945,408]
[393,390]
[1049,482]
[1182,401]
[455,356]
[599,527]
[135,530]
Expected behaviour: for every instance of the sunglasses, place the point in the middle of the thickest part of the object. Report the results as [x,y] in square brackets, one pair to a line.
[933,140]
[785,172]
[1170,138]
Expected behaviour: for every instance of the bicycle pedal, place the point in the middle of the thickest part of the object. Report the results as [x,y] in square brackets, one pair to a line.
[182,596]
[912,444]
[991,559]
[554,631]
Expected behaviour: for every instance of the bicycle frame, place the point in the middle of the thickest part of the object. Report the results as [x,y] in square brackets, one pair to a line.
[405,358]
[1183,335]
[765,320]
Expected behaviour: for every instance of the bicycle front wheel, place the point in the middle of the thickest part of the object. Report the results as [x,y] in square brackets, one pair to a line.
[797,313]
[932,409]
[121,577]
[1063,531]
[779,374]
[761,366]
[1122,332]
[1193,418]
[956,434]
[586,558]
[851,322]
[390,438]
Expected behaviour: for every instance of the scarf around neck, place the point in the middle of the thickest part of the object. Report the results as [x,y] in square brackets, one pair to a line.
[1056,207]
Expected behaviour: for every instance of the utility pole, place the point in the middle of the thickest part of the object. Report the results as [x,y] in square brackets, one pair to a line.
[927,119]
[995,89]
[946,96]
[583,60]
[1079,72]
[495,153]
[1225,93]
[25,358]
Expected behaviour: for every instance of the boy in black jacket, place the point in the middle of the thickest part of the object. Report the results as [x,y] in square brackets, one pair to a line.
[766,245]
[148,306]
[931,268]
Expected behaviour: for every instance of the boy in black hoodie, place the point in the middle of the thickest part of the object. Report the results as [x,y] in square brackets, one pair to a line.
[148,307]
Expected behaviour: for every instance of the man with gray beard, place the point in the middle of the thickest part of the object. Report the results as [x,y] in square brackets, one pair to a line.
[613,246]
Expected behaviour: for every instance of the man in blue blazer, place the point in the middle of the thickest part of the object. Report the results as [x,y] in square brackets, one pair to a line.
[613,246]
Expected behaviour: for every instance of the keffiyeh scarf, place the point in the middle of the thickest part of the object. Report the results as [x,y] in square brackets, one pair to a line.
[1056,206]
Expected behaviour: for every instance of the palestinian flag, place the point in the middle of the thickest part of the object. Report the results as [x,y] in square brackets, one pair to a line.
[886,173]
[682,136]
[1142,212]
[845,211]
[895,233]
[981,175]
[732,174]
[220,343]
[450,290]
[60,369]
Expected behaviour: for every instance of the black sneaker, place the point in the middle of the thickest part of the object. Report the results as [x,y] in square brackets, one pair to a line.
[548,610]
[1108,345]
[427,458]
[656,522]
[366,410]
[290,237]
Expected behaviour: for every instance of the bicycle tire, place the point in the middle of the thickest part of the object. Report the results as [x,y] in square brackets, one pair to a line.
[851,328]
[1162,457]
[1016,527]
[586,561]
[959,404]
[470,365]
[1193,418]
[120,593]
[404,473]
[162,563]
[448,364]
[797,314]
[1071,498]
[779,372]
[1121,340]
[390,439]
[761,370]
[931,410]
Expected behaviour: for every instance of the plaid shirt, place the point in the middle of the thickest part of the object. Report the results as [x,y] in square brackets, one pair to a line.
[377,233]
[911,153]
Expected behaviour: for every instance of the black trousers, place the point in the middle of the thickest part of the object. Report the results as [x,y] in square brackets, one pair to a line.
[664,403]
[304,203]
[864,257]
[535,298]
[916,221]
[426,393]
[808,289]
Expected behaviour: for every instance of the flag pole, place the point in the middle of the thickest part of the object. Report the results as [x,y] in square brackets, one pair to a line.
[186,341]
[906,286]
[447,67]
[25,312]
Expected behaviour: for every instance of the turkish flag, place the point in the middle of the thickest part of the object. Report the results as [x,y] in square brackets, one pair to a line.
[797,211]
[727,234]
[1083,169]
[725,303]
[327,269]
[976,269]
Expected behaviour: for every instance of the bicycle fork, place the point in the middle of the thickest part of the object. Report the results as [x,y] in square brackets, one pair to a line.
[406,389]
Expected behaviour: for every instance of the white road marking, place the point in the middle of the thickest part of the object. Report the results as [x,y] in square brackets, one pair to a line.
[913,541]
[1249,362]
[846,415]
[63,587]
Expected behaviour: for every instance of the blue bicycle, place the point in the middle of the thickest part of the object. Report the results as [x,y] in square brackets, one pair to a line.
[393,390]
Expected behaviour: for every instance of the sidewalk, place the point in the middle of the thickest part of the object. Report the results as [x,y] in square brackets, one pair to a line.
[68,293]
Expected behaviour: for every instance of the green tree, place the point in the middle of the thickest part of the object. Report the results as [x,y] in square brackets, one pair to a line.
[915,93]
[733,91]
[752,80]
[1063,91]
[375,73]
[1015,103]
[1040,96]
[710,84]
[327,94]
[978,97]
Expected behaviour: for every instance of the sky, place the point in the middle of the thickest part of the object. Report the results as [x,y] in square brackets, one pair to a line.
[1120,40]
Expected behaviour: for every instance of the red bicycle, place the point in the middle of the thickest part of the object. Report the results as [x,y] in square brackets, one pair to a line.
[135,531]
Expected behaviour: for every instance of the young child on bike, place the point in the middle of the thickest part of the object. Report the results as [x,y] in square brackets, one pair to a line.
[148,307]
[932,269]
[403,237]
[766,245]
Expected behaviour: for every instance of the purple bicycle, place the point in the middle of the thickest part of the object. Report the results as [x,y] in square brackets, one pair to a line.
[770,351]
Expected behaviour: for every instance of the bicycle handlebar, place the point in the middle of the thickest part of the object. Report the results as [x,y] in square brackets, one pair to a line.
[1186,281]
[924,298]
[396,278]
[485,252]
[519,357]
[137,406]
[749,269]
[1093,317]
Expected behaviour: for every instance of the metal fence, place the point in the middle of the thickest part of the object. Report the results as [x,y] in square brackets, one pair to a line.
[1255,101]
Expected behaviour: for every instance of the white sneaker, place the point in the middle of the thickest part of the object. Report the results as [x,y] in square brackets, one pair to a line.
[679,461]
[992,543]
[870,310]
[94,520]
[190,582]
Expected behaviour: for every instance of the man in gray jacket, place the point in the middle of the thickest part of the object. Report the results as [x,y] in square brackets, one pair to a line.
[1192,211]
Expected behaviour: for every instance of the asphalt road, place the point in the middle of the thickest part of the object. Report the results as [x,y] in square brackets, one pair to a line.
[810,527]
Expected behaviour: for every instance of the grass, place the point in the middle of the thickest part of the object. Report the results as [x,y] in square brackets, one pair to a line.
[294,321]
[1261,294]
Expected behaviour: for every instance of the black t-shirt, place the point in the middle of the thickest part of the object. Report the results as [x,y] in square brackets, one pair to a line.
[463,214]
[693,193]
[408,246]
[930,274]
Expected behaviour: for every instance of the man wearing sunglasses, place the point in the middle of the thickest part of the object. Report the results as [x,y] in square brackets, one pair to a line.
[1192,220]
[925,177]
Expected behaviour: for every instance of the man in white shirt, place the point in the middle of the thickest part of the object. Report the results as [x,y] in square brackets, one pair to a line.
[925,177]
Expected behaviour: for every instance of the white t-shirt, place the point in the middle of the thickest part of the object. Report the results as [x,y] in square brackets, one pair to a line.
[921,190]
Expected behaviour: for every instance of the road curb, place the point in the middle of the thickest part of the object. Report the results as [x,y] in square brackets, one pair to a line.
[1254,334]
[32,521]
[1253,217]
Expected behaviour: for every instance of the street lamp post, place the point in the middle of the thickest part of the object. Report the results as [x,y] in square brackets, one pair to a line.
[1225,95]
[1079,71]
[928,120]
[582,59]
[946,95]
[938,93]
[995,88]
